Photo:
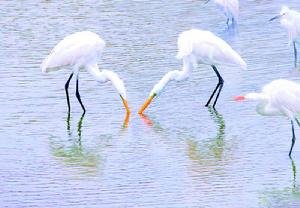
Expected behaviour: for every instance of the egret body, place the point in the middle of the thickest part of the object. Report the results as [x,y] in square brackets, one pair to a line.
[81,50]
[199,46]
[279,97]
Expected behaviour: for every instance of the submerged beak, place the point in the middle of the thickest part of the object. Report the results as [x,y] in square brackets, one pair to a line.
[125,105]
[239,98]
[146,104]
[274,18]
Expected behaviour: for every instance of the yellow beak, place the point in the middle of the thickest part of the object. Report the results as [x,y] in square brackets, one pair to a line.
[125,105]
[146,104]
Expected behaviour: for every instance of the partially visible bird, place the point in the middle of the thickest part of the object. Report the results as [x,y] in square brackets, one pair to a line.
[290,20]
[279,97]
[199,46]
[81,50]
[230,8]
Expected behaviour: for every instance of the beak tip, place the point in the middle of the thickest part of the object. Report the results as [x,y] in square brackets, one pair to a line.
[239,98]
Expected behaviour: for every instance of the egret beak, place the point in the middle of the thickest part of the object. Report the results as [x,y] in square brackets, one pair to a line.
[125,105]
[274,18]
[239,98]
[148,101]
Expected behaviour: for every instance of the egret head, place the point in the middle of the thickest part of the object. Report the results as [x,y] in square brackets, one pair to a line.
[284,11]
[118,85]
[154,92]
[157,89]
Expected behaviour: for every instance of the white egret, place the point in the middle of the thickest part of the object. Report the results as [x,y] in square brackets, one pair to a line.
[198,46]
[81,50]
[280,97]
[290,20]
[230,8]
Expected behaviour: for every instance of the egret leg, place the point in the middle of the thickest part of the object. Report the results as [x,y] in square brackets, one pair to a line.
[78,95]
[295,55]
[67,93]
[219,85]
[227,22]
[293,138]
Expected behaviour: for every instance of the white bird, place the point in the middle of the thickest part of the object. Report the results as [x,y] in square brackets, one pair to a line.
[198,46]
[230,8]
[290,20]
[81,50]
[280,97]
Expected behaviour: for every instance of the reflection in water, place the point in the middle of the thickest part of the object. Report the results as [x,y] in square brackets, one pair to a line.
[152,123]
[210,152]
[229,34]
[126,121]
[286,197]
[76,154]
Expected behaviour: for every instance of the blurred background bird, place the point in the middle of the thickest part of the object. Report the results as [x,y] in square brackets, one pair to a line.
[230,9]
[290,20]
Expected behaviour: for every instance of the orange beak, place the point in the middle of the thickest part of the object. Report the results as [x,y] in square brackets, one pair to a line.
[239,98]
[146,104]
[125,105]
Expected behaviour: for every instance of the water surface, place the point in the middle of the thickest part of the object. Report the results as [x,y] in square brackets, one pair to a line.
[180,154]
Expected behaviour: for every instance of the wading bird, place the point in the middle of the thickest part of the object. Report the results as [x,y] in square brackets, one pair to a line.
[230,8]
[81,50]
[290,20]
[198,46]
[280,97]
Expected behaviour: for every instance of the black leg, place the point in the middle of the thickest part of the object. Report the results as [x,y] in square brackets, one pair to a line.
[297,122]
[227,22]
[219,85]
[78,96]
[295,54]
[293,139]
[67,93]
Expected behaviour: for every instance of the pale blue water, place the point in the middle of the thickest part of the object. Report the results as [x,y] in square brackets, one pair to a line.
[183,154]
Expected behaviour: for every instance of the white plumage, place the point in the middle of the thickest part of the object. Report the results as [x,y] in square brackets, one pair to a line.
[230,9]
[207,48]
[82,50]
[279,97]
[199,46]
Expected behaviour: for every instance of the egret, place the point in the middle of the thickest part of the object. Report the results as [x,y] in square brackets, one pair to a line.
[198,46]
[290,20]
[279,97]
[230,8]
[81,50]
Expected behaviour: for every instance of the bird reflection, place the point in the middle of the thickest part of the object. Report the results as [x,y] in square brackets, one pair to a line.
[229,34]
[75,154]
[126,121]
[286,197]
[214,146]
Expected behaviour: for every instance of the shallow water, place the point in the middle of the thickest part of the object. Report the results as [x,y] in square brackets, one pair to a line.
[180,154]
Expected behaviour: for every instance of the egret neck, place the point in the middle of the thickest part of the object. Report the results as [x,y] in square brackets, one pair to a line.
[176,75]
[105,76]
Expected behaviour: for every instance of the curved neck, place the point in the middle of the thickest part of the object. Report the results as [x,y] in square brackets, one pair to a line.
[175,75]
[105,76]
